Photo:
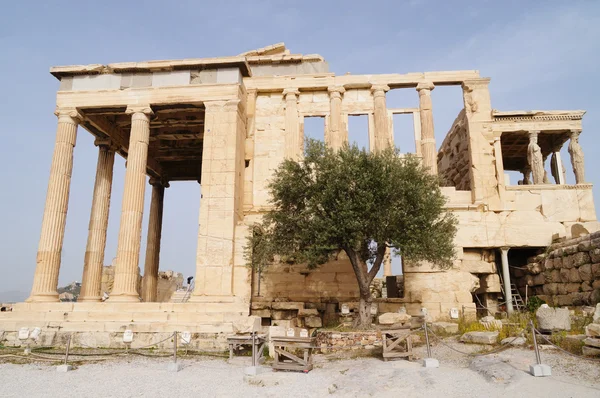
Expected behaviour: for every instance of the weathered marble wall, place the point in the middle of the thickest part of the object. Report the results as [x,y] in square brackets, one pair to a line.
[453,156]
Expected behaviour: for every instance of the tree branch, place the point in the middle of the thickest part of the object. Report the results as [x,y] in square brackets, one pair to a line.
[377,264]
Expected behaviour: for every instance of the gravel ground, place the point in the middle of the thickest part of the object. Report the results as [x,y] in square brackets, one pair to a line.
[459,376]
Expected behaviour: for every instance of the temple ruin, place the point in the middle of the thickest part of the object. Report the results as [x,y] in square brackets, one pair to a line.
[227,123]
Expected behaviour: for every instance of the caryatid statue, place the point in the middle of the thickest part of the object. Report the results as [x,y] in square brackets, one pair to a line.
[576,157]
[535,159]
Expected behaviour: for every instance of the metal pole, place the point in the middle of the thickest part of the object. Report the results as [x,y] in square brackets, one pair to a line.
[535,346]
[175,348]
[427,341]
[68,346]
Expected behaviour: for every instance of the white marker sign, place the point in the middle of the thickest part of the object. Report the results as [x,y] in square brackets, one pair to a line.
[128,336]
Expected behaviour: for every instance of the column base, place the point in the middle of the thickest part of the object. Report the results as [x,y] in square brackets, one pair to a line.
[124,298]
[43,298]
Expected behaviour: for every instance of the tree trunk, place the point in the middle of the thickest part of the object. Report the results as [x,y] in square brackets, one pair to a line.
[364,311]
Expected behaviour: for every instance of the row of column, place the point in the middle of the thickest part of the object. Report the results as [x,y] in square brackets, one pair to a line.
[336,136]
[536,161]
[53,225]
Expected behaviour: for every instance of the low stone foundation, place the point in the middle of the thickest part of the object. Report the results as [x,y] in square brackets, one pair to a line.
[568,273]
[101,325]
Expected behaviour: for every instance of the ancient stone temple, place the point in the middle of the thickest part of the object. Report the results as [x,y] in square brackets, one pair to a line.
[227,123]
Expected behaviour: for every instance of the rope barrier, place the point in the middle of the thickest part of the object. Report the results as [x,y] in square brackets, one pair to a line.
[563,350]
[496,350]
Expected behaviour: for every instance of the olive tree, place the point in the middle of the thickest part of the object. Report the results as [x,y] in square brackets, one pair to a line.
[358,202]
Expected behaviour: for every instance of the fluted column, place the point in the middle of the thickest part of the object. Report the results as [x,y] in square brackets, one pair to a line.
[382,134]
[150,279]
[336,135]
[293,141]
[45,279]
[130,230]
[428,148]
[94,253]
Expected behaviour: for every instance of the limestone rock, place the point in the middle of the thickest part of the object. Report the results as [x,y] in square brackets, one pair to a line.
[390,318]
[597,314]
[491,323]
[553,319]
[480,337]
[313,322]
[514,341]
[590,351]
[585,272]
[590,341]
[593,330]
[444,327]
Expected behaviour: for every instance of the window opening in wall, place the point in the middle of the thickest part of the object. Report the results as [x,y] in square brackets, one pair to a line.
[358,131]
[404,133]
[314,127]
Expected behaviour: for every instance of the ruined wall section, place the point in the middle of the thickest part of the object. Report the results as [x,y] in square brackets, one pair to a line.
[454,158]
[568,273]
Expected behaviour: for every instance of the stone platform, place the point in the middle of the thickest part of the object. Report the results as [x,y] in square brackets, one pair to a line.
[103,324]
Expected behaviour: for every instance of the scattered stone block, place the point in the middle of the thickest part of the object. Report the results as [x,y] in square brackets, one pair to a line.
[390,318]
[313,322]
[596,314]
[553,319]
[590,351]
[592,330]
[444,327]
[514,341]
[491,323]
[592,342]
[480,337]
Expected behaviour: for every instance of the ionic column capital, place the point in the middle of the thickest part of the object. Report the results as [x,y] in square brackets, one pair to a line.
[291,94]
[106,143]
[379,89]
[336,91]
[161,182]
[425,86]
[137,109]
[69,115]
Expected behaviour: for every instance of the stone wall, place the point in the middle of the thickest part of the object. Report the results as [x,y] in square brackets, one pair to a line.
[454,158]
[567,273]
[334,281]
[168,283]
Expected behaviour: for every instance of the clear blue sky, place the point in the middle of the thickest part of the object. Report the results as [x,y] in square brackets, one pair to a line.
[539,54]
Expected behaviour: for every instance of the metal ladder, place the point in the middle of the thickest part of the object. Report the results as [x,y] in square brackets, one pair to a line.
[518,302]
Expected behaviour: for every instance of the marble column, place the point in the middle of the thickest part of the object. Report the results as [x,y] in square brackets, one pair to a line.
[428,148]
[506,280]
[130,230]
[380,116]
[249,149]
[45,279]
[94,253]
[293,141]
[576,153]
[336,136]
[556,167]
[150,279]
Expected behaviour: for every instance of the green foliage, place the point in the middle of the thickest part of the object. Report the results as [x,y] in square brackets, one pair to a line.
[534,303]
[356,201]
